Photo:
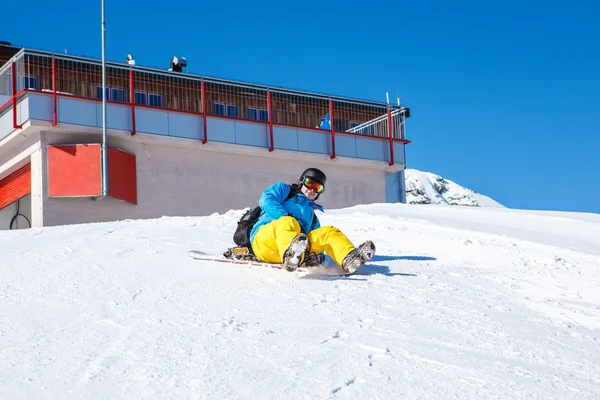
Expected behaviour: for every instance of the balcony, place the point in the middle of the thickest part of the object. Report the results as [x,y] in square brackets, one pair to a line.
[67,90]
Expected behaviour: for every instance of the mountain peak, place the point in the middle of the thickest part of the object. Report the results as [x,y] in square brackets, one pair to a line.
[427,188]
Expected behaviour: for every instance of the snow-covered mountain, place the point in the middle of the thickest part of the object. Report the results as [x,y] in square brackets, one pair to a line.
[428,188]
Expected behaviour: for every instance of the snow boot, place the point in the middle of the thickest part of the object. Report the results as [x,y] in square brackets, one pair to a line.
[293,255]
[359,256]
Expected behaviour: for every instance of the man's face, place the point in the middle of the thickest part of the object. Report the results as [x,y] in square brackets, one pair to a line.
[310,193]
[311,188]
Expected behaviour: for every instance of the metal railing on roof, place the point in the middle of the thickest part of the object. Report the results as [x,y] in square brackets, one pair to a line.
[207,79]
[143,86]
[380,126]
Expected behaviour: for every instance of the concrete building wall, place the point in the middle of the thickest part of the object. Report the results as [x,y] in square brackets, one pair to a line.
[179,177]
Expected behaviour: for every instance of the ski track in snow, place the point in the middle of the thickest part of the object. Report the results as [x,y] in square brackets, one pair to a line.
[119,311]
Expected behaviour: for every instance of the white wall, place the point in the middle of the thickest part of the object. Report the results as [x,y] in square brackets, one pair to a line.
[37,193]
[7,213]
[178,177]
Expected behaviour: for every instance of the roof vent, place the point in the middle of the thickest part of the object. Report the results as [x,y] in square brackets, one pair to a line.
[177,64]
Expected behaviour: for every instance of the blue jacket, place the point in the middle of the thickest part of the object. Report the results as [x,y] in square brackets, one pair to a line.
[274,207]
[326,123]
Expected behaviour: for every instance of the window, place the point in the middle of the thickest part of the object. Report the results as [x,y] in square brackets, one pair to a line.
[118,95]
[232,111]
[339,125]
[263,115]
[258,115]
[155,100]
[99,92]
[6,85]
[140,98]
[111,94]
[354,124]
[219,109]
[30,82]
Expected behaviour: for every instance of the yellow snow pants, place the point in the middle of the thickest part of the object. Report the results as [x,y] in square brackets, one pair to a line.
[272,240]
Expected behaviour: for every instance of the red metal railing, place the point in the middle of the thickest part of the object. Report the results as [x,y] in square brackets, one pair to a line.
[270,116]
[143,87]
[54,97]
[203,94]
[14,95]
[132,100]
[332,127]
[389,124]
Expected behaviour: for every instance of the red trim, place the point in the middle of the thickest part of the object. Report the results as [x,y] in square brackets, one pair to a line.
[7,102]
[203,95]
[132,99]
[14,96]
[405,141]
[239,119]
[72,96]
[389,121]
[270,111]
[332,129]
[54,98]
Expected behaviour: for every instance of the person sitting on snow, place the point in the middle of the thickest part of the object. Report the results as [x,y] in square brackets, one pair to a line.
[288,228]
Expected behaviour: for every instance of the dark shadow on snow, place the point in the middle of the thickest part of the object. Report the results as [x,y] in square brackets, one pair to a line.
[378,269]
[410,258]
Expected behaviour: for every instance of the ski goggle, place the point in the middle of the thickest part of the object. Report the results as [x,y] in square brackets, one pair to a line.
[313,184]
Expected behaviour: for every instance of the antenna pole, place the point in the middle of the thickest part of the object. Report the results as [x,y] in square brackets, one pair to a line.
[104,149]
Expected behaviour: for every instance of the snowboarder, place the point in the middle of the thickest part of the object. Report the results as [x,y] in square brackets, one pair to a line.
[289,232]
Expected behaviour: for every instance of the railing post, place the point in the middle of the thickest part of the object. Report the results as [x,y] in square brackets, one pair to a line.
[54,99]
[14,95]
[203,95]
[132,99]
[389,121]
[270,112]
[332,129]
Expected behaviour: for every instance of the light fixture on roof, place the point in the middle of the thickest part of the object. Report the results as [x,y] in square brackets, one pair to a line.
[177,64]
[130,59]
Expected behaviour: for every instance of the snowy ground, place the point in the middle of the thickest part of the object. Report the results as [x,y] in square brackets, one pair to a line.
[465,303]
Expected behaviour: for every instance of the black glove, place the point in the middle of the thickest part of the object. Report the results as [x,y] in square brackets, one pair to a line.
[313,260]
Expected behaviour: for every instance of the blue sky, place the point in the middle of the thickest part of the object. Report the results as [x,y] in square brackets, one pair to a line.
[504,95]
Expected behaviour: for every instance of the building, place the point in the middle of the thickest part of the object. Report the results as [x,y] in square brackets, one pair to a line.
[176,144]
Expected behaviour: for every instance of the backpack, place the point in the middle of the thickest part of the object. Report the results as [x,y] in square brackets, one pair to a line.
[241,237]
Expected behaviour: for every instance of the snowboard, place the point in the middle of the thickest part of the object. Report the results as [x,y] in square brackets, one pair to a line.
[200,255]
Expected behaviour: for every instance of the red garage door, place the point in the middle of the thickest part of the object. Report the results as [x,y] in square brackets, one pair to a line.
[15,186]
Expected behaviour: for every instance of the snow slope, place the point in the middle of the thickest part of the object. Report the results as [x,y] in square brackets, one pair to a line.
[466,303]
[428,188]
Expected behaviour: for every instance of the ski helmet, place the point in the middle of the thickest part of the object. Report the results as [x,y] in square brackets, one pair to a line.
[313,173]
